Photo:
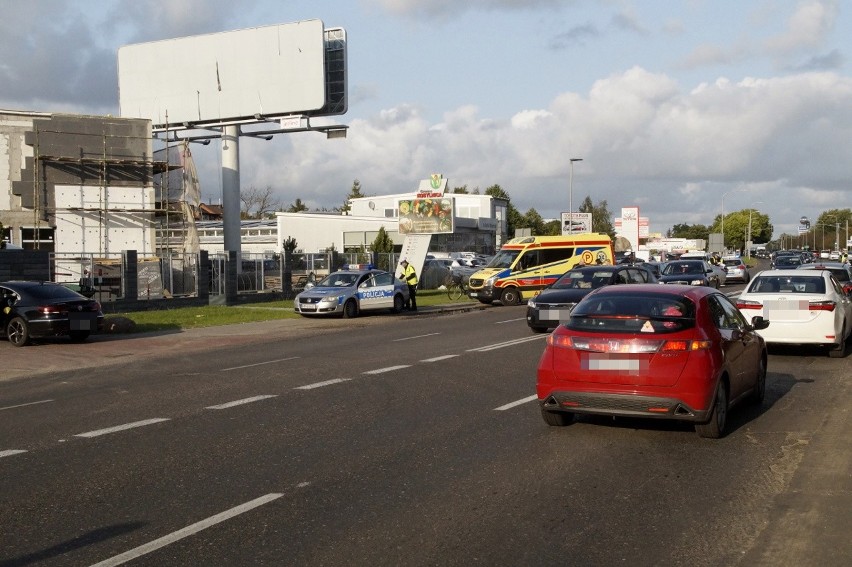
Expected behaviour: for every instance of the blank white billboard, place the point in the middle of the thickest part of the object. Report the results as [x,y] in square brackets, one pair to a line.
[222,77]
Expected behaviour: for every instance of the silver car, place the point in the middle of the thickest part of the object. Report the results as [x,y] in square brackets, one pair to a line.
[737,270]
[351,290]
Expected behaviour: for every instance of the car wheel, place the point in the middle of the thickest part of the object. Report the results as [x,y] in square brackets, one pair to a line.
[557,418]
[760,386]
[18,332]
[511,296]
[715,428]
[78,336]
[398,303]
[350,309]
[538,329]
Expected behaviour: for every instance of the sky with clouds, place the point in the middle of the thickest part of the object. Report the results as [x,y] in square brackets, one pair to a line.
[670,105]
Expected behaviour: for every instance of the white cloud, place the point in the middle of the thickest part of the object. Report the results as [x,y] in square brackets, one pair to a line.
[806,28]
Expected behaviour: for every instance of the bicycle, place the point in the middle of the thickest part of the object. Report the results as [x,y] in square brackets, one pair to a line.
[456,285]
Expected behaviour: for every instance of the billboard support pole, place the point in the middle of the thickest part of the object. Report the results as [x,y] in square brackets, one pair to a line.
[231,188]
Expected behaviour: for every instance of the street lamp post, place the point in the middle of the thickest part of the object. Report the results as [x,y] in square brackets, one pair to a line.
[723,212]
[748,240]
[571,191]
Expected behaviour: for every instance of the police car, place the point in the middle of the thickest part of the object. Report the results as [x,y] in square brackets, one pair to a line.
[355,288]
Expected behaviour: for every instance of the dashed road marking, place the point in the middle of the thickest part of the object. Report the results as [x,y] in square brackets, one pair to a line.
[321,384]
[259,363]
[387,369]
[188,531]
[242,402]
[27,404]
[516,403]
[123,427]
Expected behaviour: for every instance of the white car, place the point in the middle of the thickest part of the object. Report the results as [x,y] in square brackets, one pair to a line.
[802,306]
[355,288]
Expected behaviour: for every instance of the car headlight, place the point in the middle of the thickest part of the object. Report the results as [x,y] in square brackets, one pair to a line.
[531,303]
[332,298]
[696,282]
[490,281]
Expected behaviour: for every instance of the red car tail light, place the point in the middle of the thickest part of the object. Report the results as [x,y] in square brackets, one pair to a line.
[821,306]
[749,304]
[52,309]
[685,346]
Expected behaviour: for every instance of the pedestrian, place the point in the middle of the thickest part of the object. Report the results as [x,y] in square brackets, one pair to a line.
[844,257]
[409,276]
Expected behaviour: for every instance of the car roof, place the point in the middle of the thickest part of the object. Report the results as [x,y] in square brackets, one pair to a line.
[790,273]
[24,284]
[693,292]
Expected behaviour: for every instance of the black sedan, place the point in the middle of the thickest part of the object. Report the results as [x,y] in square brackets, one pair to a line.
[555,302]
[46,309]
[690,272]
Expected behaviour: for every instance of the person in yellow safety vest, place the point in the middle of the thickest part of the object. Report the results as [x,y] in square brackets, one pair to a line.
[409,276]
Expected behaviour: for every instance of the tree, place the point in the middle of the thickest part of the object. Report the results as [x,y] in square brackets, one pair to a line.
[601,216]
[354,193]
[691,231]
[297,207]
[532,220]
[290,244]
[257,204]
[383,244]
[736,227]
[461,190]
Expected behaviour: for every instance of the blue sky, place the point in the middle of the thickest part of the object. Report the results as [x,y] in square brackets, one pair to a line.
[670,104]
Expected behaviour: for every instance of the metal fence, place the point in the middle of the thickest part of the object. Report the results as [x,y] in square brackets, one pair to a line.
[176,274]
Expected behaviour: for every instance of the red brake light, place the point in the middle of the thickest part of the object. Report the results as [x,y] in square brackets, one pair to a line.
[821,306]
[749,304]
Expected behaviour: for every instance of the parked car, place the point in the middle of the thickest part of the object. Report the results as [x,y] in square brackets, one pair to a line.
[349,291]
[805,306]
[692,272]
[45,309]
[554,303]
[665,352]
[736,268]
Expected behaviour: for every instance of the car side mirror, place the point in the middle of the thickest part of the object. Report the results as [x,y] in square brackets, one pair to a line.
[759,323]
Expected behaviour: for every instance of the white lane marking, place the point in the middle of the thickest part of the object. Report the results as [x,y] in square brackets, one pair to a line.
[439,358]
[415,337]
[513,342]
[388,369]
[10,452]
[187,531]
[27,404]
[259,363]
[512,320]
[517,403]
[243,401]
[117,428]
[321,384]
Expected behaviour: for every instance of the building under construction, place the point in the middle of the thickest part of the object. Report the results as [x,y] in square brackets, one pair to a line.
[86,188]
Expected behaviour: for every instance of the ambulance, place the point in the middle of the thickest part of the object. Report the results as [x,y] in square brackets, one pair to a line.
[528,264]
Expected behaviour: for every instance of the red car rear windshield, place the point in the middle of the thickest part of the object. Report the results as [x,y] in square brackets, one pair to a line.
[633,313]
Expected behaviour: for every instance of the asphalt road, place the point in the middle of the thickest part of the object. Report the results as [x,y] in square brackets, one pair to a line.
[398,441]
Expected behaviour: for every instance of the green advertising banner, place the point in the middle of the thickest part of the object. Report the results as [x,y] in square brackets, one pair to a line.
[426,216]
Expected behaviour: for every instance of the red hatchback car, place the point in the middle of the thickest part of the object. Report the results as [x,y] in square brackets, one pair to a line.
[667,352]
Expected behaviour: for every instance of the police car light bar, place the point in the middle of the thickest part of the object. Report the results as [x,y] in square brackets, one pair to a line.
[359,267]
